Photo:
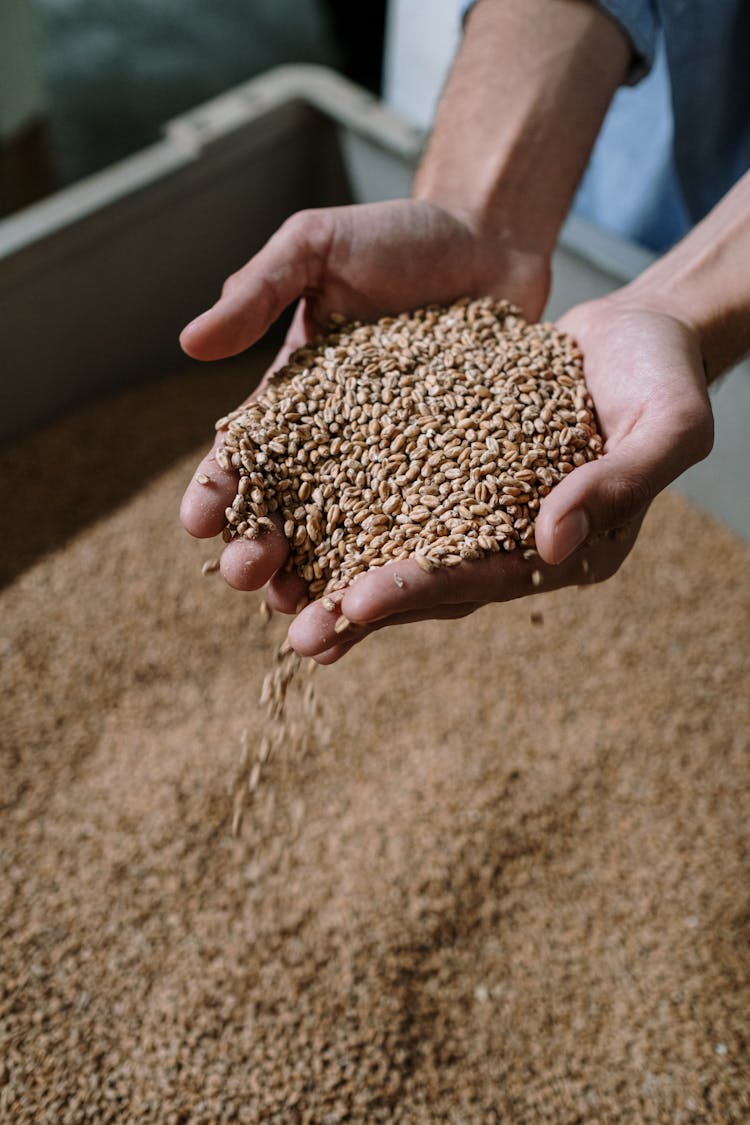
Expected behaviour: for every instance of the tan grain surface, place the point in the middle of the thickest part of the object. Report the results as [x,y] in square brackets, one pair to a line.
[434,434]
[515,889]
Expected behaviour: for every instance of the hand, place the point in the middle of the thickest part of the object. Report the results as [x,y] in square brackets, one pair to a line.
[362,261]
[645,373]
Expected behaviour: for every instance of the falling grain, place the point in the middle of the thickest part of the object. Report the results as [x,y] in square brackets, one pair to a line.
[432,435]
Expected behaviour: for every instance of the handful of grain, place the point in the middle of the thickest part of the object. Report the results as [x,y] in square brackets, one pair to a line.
[432,434]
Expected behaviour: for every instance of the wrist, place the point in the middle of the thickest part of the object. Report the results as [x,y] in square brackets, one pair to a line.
[498,219]
[517,122]
[490,264]
[648,294]
[704,281]
[680,300]
[487,203]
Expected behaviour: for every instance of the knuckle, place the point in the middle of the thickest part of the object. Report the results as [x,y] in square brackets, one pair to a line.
[692,423]
[701,434]
[310,226]
[230,285]
[625,496]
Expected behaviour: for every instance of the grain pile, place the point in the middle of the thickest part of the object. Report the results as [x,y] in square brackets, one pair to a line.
[514,888]
[432,434]
[435,433]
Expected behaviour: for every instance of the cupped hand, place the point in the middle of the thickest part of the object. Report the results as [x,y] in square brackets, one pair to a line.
[645,373]
[361,262]
[364,261]
[643,367]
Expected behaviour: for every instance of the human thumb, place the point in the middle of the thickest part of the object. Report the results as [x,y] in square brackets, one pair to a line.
[612,491]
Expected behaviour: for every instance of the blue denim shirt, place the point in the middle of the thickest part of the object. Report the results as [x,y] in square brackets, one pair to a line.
[677,137]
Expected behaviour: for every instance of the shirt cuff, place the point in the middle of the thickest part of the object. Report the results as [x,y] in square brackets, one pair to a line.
[638,20]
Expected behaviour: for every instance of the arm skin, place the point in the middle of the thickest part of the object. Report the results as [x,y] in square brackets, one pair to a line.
[527,95]
[514,107]
[705,282]
[519,116]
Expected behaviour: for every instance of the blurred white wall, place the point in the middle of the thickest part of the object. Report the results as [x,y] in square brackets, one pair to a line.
[421,39]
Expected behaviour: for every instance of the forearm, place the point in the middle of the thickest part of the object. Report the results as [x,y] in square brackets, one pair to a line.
[519,116]
[705,281]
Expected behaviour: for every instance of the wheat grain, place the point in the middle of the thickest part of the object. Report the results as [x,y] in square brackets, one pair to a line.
[433,435]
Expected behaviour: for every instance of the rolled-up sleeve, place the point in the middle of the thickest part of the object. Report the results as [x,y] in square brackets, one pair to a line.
[639,21]
[637,18]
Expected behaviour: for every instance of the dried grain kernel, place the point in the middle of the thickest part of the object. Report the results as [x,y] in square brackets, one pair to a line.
[431,435]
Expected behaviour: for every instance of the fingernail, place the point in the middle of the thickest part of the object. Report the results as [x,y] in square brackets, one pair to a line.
[570,532]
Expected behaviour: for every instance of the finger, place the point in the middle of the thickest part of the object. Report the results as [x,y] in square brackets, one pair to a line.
[255,296]
[247,564]
[212,489]
[315,631]
[210,492]
[296,337]
[331,655]
[301,330]
[443,613]
[285,592]
[404,587]
[616,489]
